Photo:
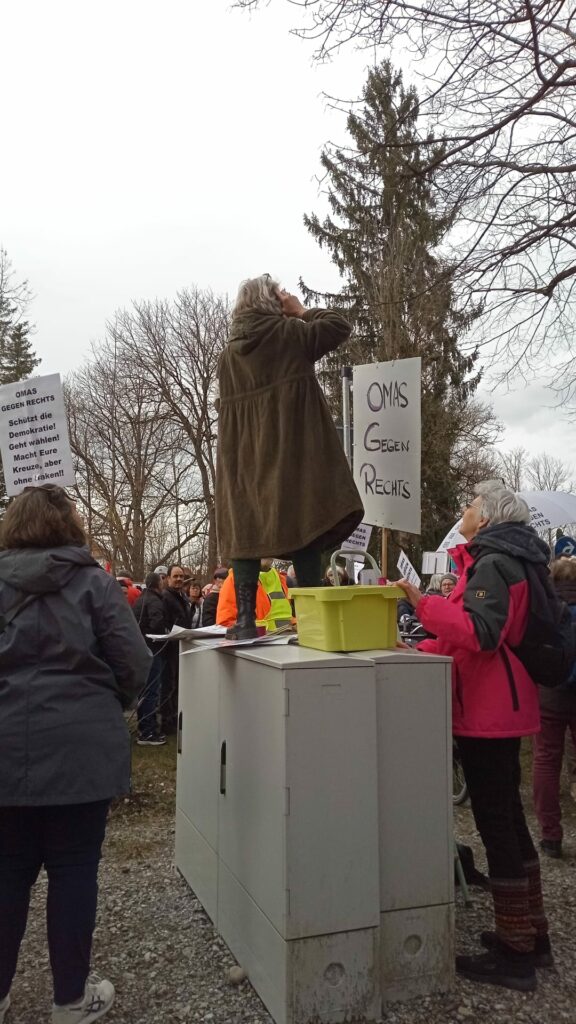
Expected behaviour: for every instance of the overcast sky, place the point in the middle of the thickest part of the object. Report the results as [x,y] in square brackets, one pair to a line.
[148,147]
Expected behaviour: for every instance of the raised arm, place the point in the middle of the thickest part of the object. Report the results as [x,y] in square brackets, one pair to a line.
[319,331]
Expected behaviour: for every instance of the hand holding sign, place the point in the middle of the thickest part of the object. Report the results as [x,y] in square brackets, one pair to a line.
[412,592]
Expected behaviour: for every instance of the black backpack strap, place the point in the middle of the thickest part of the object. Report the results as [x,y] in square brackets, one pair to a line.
[6,618]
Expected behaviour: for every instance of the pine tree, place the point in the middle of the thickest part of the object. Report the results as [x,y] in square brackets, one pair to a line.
[17,358]
[383,234]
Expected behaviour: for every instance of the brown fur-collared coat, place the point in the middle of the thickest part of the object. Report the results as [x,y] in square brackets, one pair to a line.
[282,478]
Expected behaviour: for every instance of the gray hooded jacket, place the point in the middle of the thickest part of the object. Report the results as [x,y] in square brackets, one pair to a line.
[70,661]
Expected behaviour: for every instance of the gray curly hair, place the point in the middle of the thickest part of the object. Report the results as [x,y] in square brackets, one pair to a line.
[258,295]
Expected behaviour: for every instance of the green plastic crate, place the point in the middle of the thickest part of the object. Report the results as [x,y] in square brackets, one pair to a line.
[346,618]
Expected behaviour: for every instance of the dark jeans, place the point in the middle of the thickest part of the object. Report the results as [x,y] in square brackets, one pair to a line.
[149,699]
[67,840]
[169,703]
[492,773]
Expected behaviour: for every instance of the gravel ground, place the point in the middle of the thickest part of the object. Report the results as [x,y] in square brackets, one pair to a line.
[154,941]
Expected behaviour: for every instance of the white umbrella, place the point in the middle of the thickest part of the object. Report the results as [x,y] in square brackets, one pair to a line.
[548,509]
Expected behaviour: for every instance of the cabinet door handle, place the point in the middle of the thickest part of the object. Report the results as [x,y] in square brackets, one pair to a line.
[179,737]
[223,768]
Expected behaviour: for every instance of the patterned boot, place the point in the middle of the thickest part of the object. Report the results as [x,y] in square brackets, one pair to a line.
[537,913]
[509,961]
[512,914]
[543,956]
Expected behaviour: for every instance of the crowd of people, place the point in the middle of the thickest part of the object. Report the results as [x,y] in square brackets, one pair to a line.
[169,598]
[76,651]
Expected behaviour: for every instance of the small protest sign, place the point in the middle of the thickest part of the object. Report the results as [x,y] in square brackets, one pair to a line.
[34,441]
[359,540]
[435,561]
[407,569]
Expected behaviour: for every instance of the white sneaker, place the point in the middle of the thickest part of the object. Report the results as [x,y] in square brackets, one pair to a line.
[98,998]
[4,1004]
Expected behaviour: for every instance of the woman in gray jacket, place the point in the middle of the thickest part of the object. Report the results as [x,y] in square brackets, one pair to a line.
[71,659]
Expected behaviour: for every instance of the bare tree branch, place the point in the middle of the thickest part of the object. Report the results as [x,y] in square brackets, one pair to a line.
[496,85]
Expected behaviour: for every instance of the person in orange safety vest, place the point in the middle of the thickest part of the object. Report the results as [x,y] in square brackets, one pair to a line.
[273,607]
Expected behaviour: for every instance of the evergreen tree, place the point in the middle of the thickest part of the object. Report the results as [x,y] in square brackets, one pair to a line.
[17,358]
[383,234]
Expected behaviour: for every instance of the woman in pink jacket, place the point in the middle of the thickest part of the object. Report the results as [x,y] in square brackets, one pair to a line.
[494,704]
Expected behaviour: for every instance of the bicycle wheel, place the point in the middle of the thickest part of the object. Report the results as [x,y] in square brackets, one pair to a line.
[459,787]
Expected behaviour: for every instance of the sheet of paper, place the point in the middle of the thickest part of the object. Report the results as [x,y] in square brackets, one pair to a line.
[180,633]
[270,640]
[407,569]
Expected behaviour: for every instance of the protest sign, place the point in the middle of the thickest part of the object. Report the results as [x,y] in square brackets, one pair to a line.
[407,570]
[34,440]
[435,561]
[359,540]
[387,443]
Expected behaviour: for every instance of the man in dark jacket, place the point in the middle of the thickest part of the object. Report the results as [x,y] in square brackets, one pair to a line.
[177,612]
[149,612]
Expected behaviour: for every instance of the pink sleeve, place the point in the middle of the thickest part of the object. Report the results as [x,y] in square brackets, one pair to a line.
[429,646]
[447,621]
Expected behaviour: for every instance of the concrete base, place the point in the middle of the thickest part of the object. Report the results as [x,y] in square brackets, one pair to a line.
[329,978]
[417,952]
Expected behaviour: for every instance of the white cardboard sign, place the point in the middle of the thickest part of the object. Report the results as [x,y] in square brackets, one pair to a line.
[34,441]
[359,540]
[387,442]
[435,561]
[407,570]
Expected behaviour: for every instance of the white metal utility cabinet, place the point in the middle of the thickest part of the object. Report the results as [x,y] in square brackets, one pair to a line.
[314,824]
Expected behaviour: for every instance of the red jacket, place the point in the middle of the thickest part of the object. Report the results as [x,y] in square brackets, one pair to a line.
[478,625]
[132,593]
